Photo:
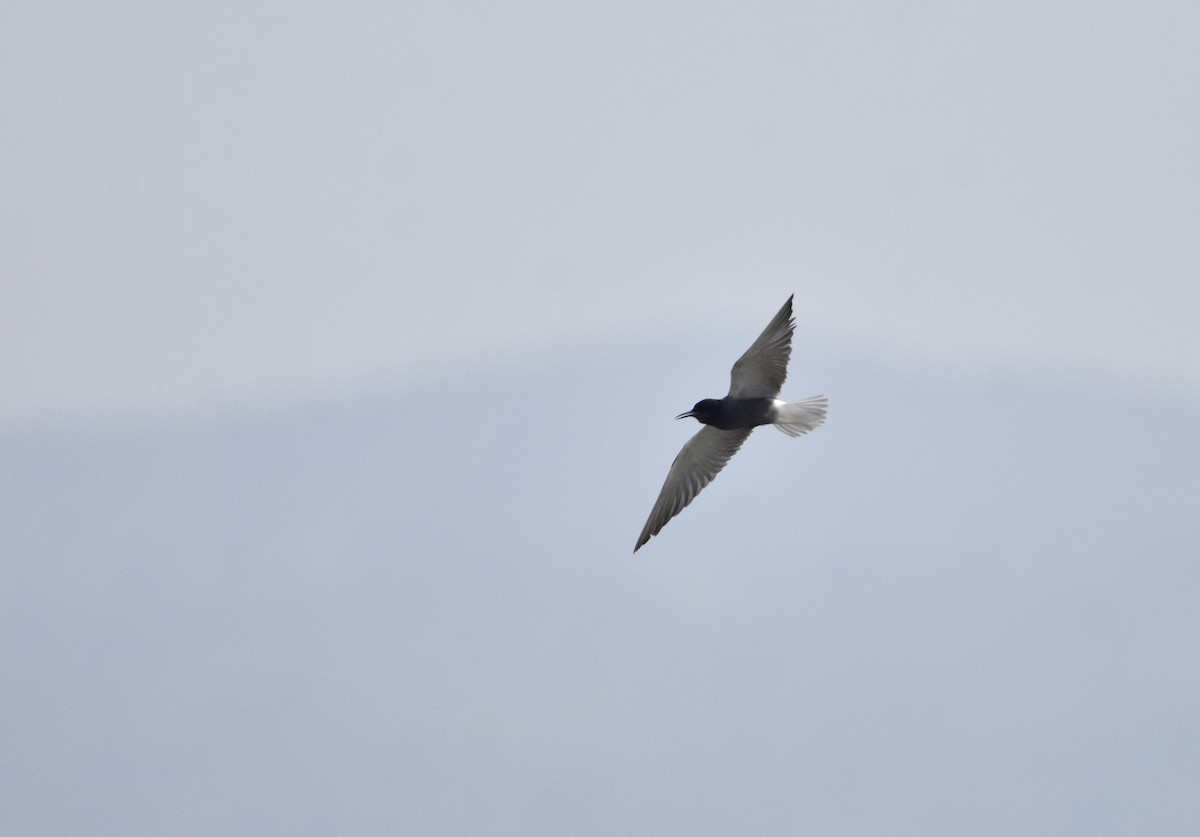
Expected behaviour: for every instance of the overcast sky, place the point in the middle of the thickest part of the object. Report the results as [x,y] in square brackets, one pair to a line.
[285,549]
[209,204]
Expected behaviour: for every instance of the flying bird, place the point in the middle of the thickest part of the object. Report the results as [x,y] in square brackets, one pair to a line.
[755,382]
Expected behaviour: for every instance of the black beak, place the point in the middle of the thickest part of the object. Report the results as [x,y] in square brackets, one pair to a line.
[688,414]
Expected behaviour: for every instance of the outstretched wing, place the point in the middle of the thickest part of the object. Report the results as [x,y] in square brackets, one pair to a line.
[701,459]
[761,371]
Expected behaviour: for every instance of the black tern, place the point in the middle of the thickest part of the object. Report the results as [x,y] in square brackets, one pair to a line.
[755,380]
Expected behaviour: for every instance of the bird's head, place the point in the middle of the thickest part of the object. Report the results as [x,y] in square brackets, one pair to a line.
[703,411]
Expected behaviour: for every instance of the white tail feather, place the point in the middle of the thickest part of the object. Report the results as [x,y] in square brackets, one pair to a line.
[796,418]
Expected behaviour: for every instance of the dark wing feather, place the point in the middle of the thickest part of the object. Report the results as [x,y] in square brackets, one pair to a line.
[698,462]
[761,371]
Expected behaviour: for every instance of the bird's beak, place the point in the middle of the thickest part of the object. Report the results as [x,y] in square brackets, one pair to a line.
[688,414]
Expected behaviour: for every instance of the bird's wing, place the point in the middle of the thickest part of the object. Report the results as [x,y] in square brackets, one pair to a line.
[760,372]
[701,459]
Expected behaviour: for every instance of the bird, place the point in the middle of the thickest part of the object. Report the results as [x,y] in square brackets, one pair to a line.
[754,383]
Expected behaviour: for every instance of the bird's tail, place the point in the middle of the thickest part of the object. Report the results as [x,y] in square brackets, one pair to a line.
[796,418]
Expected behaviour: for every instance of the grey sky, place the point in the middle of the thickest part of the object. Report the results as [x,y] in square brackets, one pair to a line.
[932,616]
[284,551]
[205,205]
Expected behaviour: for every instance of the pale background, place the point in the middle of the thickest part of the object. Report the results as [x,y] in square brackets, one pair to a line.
[339,347]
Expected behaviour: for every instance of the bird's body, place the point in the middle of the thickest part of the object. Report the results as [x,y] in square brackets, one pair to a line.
[755,382]
[733,413]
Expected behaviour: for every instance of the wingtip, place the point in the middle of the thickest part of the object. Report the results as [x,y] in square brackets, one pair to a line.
[788,310]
